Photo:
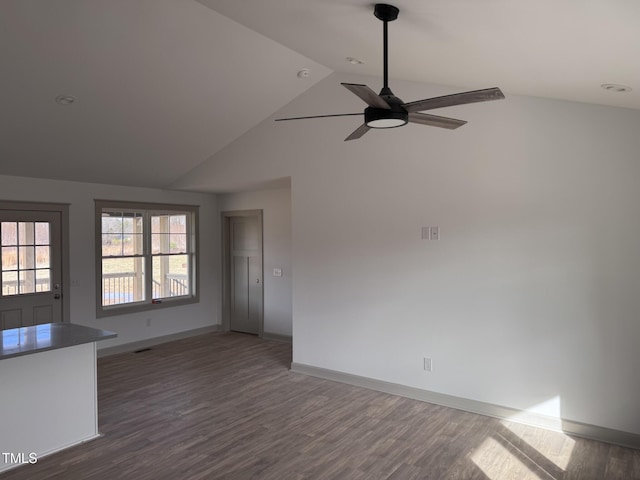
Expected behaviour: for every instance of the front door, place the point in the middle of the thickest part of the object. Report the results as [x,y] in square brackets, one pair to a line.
[31,268]
[245,274]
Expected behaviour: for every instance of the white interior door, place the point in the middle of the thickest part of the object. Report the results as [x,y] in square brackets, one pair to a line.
[245,274]
[31,268]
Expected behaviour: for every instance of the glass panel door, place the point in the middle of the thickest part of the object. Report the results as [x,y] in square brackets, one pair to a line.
[30,269]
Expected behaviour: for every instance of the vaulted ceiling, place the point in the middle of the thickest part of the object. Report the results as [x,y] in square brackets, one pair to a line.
[160,86]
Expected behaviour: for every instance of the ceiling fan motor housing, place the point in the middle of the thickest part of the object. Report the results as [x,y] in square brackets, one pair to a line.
[384,118]
[395,116]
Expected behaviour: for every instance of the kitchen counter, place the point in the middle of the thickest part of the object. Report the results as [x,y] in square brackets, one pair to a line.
[50,336]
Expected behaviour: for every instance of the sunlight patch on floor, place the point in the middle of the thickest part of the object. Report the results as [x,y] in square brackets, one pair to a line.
[498,463]
[554,446]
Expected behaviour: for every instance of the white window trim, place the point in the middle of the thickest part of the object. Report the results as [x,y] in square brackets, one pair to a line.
[147,304]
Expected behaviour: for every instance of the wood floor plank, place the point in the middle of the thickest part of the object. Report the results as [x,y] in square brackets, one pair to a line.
[226,406]
[621,465]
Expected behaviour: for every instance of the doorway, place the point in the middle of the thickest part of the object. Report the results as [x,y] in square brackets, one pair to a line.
[33,240]
[242,306]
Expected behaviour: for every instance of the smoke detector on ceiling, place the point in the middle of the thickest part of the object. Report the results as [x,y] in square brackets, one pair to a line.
[304,73]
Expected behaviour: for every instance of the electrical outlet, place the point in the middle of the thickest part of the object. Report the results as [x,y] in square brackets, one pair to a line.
[428,364]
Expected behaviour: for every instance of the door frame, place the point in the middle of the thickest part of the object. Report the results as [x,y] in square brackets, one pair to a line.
[225,220]
[63,210]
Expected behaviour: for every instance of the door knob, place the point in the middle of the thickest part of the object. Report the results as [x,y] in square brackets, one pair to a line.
[257,280]
[57,296]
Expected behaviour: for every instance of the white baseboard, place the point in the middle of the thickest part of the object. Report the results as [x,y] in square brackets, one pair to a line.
[277,337]
[7,467]
[150,342]
[593,432]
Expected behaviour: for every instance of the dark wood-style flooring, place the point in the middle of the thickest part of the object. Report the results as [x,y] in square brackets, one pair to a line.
[225,406]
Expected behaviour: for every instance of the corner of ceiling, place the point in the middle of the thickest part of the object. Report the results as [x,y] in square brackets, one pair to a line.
[210,176]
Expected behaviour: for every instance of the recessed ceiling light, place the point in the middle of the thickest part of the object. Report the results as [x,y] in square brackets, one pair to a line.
[354,61]
[65,99]
[613,87]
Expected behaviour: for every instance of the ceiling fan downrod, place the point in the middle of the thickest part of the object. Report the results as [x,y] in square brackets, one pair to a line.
[386,13]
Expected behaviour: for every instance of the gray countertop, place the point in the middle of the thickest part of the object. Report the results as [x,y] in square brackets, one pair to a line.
[49,336]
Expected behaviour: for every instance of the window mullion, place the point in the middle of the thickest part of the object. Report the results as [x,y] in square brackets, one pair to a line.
[190,253]
[148,281]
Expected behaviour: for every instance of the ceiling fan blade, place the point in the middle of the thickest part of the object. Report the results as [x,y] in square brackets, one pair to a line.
[370,97]
[319,116]
[358,132]
[455,99]
[435,120]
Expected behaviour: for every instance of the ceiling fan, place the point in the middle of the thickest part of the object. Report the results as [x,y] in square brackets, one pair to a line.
[385,110]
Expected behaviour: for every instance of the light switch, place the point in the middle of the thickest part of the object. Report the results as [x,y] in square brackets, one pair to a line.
[434,233]
[277,272]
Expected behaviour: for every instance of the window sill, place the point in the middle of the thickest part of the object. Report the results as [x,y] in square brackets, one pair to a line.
[116,310]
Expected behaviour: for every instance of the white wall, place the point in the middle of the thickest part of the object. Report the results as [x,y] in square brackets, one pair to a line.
[130,328]
[529,300]
[276,220]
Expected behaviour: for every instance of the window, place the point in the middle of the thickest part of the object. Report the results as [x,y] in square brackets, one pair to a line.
[26,254]
[146,254]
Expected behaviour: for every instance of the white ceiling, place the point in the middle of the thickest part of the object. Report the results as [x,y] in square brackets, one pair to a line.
[548,48]
[162,85]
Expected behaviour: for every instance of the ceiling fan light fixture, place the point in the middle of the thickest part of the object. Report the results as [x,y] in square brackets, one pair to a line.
[382,118]
[386,123]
